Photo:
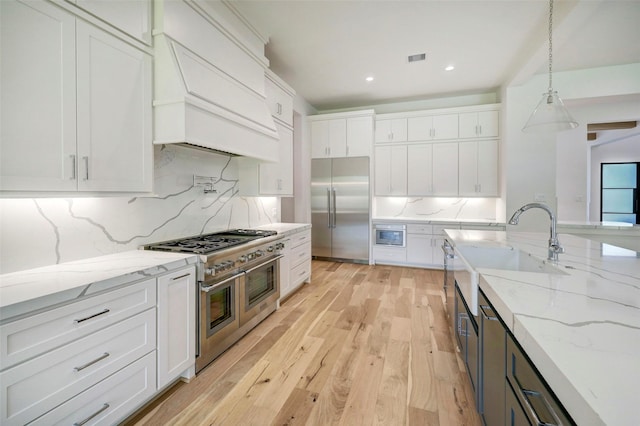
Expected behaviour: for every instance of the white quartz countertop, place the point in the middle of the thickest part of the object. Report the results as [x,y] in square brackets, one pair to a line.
[582,329]
[27,291]
[285,229]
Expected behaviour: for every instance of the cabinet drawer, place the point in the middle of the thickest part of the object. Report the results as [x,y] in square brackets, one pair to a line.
[300,254]
[389,254]
[415,228]
[29,337]
[110,400]
[300,238]
[530,389]
[36,386]
[300,273]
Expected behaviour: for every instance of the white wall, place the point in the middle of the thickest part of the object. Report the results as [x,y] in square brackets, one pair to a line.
[36,232]
[531,158]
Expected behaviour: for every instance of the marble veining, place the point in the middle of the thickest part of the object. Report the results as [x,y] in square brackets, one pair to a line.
[581,329]
[47,231]
[435,208]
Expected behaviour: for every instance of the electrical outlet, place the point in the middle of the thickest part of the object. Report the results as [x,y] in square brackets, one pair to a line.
[274,211]
[539,197]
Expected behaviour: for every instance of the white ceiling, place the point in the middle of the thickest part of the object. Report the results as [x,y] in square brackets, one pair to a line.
[324,49]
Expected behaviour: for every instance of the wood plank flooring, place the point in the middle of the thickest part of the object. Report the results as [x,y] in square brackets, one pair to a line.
[360,345]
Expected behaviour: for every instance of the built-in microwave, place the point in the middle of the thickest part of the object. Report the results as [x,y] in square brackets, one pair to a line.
[390,235]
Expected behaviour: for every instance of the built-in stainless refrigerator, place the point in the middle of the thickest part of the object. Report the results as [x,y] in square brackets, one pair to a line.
[340,209]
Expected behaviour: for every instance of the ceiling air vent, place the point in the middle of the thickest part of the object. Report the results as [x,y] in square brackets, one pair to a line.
[418,57]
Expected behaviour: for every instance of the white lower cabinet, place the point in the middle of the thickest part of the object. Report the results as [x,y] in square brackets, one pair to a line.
[36,386]
[106,402]
[176,325]
[389,255]
[424,244]
[295,267]
[99,359]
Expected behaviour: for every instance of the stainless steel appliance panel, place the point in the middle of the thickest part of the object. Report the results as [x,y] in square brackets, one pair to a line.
[340,208]
[321,214]
[493,364]
[350,202]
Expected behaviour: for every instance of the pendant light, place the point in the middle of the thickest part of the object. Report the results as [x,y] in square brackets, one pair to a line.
[550,115]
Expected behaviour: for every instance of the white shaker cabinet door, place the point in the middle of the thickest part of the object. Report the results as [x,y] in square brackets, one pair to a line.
[277,178]
[420,170]
[38,98]
[359,136]
[445,169]
[114,114]
[176,324]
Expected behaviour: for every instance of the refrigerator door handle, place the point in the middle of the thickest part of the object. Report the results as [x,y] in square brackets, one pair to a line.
[328,208]
[334,208]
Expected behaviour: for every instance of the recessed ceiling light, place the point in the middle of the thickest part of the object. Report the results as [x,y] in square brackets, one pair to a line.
[449,68]
[369,79]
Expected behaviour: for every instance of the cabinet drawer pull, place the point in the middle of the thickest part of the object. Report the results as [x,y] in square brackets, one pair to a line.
[82,422]
[73,167]
[86,167]
[180,277]
[78,321]
[483,309]
[90,363]
[527,394]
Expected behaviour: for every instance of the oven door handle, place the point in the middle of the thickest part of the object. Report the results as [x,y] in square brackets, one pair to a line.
[246,271]
[207,289]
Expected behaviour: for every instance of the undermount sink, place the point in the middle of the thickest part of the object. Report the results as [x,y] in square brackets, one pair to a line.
[506,258]
[471,258]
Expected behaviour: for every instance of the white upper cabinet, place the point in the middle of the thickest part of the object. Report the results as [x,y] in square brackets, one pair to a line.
[420,170]
[115,149]
[342,135]
[445,169]
[133,17]
[277,178]
[279,99]
[359,136]
[390,170]
[391,130]
[478,168]
[76,105]
[432,127]
[38,102]
[481,124]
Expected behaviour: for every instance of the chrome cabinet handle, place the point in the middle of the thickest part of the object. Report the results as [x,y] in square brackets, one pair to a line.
[181,276]
[525,394]
[328,208]
[82,422]
[90,363]
[207,289]
[334,208]
[73,167]
[77,321]
[486,316]
[86,167]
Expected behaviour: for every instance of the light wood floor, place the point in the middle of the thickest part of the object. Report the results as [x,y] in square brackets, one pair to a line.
[360,345]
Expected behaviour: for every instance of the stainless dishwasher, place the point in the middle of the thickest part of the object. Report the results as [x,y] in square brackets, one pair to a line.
[493,365]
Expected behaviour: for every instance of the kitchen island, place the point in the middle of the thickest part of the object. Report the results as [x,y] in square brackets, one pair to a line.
[580,328]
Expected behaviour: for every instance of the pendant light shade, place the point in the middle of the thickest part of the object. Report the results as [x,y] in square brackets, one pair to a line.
[550,115]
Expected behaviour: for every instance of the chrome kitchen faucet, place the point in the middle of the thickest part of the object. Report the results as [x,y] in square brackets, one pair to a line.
[554,245]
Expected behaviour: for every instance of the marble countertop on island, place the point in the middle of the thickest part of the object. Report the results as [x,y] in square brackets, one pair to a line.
[581,329]
[27,291]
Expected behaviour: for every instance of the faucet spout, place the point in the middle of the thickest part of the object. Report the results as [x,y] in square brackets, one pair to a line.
[554,245]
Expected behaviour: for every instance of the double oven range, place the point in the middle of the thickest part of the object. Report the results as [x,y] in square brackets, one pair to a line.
[238,284]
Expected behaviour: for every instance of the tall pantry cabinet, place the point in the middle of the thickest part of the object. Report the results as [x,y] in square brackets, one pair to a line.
[76,99]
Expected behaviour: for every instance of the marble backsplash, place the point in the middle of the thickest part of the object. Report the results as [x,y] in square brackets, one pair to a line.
[435,208]
[38,232]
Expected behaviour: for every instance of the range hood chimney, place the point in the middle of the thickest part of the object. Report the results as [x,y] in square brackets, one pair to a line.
[208,86]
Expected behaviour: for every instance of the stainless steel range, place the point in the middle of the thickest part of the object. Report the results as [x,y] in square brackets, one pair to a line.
[238,284]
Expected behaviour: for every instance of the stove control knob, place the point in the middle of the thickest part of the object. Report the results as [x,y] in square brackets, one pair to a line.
[270,249]
[279,246]
[229,264]
[210,271]
[259,253]
[242,259]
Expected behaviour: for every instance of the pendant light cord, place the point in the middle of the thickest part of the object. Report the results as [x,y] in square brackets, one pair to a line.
[550,44]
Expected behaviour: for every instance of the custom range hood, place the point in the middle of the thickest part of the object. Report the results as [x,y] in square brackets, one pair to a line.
[209,82]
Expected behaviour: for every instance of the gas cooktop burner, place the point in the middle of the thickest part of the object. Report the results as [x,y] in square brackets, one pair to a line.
[209,243]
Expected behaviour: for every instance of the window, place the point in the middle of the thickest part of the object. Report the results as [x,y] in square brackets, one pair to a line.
[619,197]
